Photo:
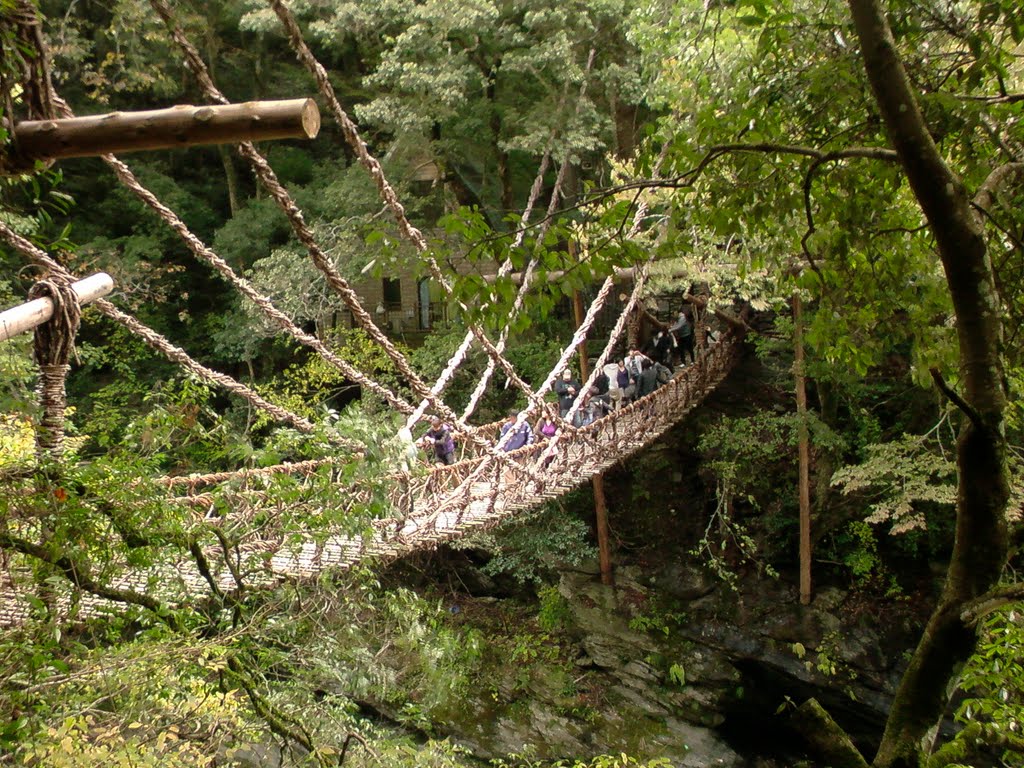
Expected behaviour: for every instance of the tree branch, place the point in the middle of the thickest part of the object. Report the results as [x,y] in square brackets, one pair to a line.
[232,566]
[958,401]
[203,566]
[985,196]
[1008,98]
[278,722]
[976,744]
[825,737]
[976,610]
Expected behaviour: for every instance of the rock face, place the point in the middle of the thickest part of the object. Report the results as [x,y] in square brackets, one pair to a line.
[690,686]
[627,690]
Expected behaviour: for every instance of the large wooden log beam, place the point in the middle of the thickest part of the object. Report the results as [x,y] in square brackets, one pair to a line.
[26,316]
[179,126]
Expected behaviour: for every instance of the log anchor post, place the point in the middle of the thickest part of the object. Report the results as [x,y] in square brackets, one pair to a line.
[179,126]
[54,313]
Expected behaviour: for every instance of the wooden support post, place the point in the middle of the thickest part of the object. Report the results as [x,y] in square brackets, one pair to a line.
[27,316]
[804,453]
[179,126]
[604,547]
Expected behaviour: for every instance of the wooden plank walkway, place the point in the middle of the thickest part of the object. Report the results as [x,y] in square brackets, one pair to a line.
[447,503]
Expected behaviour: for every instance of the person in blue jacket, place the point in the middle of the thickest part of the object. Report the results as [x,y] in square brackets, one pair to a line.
[523,434]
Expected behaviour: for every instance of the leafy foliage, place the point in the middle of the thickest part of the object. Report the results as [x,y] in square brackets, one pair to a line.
[471,95]
[746,458]
[909,475]
[992,708]
[530,548]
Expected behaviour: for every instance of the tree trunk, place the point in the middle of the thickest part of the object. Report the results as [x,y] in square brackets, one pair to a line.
[625,129]
[980,549]
[504,172]
[230,178]
[804,481]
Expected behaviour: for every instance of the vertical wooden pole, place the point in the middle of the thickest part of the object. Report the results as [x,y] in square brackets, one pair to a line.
[804,453]
[604,547]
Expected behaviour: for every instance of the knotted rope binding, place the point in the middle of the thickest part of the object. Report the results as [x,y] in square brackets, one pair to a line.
[54,342]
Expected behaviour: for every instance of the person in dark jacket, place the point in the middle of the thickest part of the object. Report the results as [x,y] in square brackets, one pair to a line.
[440,437]
[682,330]
[648,381]
[567,388]
[662,348]
[599,393]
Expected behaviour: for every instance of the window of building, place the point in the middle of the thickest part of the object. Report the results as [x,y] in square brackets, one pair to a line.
[392,293]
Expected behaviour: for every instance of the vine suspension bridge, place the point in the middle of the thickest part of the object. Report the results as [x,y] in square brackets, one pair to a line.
[486,487]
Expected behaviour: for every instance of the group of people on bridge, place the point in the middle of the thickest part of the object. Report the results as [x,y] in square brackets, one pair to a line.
[618,384]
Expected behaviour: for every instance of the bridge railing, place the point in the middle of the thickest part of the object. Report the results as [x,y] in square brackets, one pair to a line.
[522,474]
[476,494]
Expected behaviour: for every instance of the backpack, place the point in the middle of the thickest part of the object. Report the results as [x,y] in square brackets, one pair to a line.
[664,374]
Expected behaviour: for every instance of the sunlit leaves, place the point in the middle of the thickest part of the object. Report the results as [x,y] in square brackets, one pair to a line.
[17,441]
[908,477]
[162,707]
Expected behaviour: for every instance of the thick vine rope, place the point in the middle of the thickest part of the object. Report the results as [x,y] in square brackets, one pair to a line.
[386,191]
[52,347]
[261,301]
[627,314]
[305,235]
[200,250]
[155,340]
[506,267]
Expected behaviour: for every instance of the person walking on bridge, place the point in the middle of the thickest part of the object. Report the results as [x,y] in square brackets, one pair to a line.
[682,330]
[521,435]
[567,388]
[634,362]
[440,436]
[662,348]
[622,393]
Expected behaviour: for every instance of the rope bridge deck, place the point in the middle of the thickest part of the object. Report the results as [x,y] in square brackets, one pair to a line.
[444,504]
